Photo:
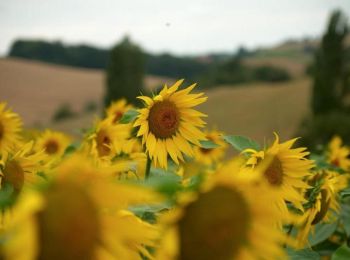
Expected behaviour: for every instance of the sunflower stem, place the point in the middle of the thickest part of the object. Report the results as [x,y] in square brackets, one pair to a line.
[148,167]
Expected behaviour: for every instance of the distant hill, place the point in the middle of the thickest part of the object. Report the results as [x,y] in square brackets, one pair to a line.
[85,56]
[35,90]
[292,55]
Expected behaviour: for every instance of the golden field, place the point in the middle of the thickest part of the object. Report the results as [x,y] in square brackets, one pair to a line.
[35,90]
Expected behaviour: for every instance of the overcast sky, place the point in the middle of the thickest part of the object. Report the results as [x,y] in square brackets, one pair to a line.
[178,26]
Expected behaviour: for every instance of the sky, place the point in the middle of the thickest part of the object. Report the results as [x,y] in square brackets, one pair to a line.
[181,27]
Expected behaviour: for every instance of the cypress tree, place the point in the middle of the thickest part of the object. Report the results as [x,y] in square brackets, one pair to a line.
[125,72]
[329,70]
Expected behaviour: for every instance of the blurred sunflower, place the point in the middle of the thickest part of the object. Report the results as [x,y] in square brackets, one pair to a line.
[322,202]
[106,140]
[214,155]
[22,167]
[80,214]
[10,127]
[169,125]
[288,167]
[338,155]
[226,220]
[117,109]
[52,143]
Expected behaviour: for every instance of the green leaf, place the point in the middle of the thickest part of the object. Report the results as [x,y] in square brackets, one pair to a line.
[342,253]
[345,215]
[322,232]
[163,181]
[302,254]
[70,149]
[6,195]
[129,116]
[326,248]
[148,212]
[207,144]
[241,143]
[345,193]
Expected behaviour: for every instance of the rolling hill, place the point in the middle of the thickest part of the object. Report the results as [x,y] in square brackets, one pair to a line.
[35,90]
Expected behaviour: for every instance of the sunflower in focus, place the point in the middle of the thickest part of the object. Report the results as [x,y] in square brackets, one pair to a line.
[214,155]
[79,214]
[322,202]
[10,127]
[52,143]
[225,220]
[21,168]
[169,125]
[106,140]
[287,170]
[338,155]
[117,109]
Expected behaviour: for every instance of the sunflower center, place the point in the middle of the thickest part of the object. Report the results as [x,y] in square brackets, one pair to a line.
[274,173]
[163,119]
[336,162]
[117,116]
[13,174]
[103,143]
[325,202]
[68,226]
[218,233]
[51,147]
[2,130]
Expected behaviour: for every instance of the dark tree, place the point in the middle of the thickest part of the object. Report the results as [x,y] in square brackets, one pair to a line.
[330,70]
[125,72]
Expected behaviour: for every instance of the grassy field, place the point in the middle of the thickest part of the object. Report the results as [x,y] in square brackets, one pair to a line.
[35,90]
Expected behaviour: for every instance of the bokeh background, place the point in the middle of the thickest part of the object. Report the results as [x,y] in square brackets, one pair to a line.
[266,66]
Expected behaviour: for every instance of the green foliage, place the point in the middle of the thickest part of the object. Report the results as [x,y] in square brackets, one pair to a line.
[345,215]
[7,196]
[56,52]
[175,67]
[125,72]
[234,71]
[270,74]
[210,70]
[91,57]
[129,116]
[322,232]
[63,112]
[302,254]
[319,129]
[331,69]
[207,144]
[240,143]
[163,181]
[342,253]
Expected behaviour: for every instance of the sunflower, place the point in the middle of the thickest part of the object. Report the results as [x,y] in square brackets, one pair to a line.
[169,125]
[225,220]
[10,127]
[21,168]
[322,202]
[117,109]
[338,155]
[287,170]
[106,140]
[214,155]
[53,143]
[79,214]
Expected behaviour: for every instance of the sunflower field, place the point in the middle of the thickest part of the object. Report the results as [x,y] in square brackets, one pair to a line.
[154,183]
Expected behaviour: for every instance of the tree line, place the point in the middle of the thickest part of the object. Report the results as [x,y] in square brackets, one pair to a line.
[209,70]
